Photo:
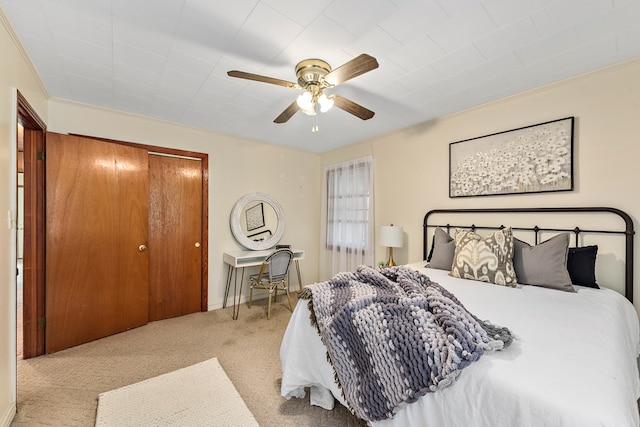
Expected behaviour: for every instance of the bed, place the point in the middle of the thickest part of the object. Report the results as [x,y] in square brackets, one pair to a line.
[573,358]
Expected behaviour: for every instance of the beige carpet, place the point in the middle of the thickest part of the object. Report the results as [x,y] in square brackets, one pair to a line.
[61,389]
[198,395]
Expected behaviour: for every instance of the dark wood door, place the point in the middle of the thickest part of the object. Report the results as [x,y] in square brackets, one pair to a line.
[97,273]
[175,236]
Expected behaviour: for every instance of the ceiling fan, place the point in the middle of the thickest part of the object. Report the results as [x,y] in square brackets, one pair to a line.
[314,76]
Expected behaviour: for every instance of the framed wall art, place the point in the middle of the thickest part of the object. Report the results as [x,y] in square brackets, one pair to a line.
[531,159]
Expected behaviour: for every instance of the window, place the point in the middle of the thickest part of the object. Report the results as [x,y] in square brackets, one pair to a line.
[348,213]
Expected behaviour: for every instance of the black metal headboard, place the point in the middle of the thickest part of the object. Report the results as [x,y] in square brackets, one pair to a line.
[628,232]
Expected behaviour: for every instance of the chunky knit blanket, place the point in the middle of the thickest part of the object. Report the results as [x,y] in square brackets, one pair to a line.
[392,335]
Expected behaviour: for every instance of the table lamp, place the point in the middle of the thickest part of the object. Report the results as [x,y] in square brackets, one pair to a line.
[391,237]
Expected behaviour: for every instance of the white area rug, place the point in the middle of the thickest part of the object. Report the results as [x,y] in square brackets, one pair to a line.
[199,395]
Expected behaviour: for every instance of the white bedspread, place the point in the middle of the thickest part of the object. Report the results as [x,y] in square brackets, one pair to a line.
[573,362]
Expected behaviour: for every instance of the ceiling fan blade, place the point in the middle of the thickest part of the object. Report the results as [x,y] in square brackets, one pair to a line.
[352,108]
[264,79]
[357,66]
[287,113]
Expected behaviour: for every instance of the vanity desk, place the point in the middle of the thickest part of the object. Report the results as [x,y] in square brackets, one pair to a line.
[242,259]
[257,223]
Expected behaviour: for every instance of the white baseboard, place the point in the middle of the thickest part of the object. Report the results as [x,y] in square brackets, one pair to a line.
[7,417]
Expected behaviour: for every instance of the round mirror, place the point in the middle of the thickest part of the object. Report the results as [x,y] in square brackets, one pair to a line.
[257,221]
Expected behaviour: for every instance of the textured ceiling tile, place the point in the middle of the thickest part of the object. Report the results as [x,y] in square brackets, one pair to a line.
[143,37]
[376,42]
[415,19]
[455,83]
[323,33]
[260,49]
[267,23]
[188,64]
[58,85]
[41,50]
[562,15]
[98,10]
[166,93]
[508,38]
[417,54]
[583,55]
[89,69]
[393,90]
[421,96]
[152,14]
[74,25]
[141,91]
[302,15]
[496,66]
[455,62]
[205,28]
[136,57]
[187,84]
[455,8]
[33,6]
[420,78]
[532,75]
[91,91]
[463,29]
[359,16]
[628,40]
[139,76]
[505,12]
[132,102]
[81,50]
[548,47]
[28,20]
[604,25]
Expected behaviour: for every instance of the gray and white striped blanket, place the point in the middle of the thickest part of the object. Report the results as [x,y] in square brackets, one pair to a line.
[392,335]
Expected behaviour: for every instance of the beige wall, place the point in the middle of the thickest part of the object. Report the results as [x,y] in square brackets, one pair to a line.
[236,167]
[15,72]
[411,166]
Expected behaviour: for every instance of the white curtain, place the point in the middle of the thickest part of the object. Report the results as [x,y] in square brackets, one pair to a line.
[347,217]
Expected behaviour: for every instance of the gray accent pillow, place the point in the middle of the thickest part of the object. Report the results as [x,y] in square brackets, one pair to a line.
[443,249]
[488,259]
[544,264]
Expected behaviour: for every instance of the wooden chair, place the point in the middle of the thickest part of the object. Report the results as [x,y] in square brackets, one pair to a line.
[273,276]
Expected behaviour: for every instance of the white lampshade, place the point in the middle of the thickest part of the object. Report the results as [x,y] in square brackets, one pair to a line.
[391,236]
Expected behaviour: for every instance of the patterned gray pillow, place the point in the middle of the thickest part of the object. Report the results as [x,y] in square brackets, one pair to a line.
[488,259]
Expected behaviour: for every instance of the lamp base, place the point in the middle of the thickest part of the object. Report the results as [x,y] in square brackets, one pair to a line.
[390,262]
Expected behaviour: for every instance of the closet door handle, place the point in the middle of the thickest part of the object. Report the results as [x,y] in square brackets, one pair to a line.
[142,248]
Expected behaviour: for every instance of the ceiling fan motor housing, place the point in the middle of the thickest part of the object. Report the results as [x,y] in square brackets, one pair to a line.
[311,72]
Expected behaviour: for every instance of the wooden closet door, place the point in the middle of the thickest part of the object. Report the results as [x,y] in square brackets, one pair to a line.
[175,236]
[97,273]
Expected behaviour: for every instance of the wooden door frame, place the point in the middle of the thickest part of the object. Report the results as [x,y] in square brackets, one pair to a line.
[204,158]
[34,248]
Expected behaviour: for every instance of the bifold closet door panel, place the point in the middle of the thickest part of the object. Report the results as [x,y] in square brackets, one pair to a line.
[97,266]
[175,236]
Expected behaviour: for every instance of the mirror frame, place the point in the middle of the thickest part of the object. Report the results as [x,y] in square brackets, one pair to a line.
[236,230]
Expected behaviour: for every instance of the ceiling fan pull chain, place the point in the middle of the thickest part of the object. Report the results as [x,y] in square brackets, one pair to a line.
[314,128]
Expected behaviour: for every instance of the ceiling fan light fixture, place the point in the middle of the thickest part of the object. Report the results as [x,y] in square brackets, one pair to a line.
[325,103]
[306,104]
[315,75]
